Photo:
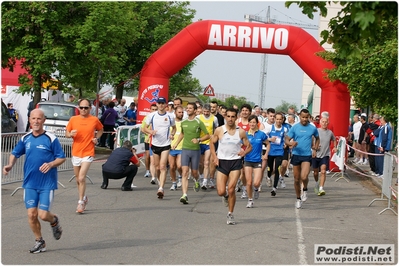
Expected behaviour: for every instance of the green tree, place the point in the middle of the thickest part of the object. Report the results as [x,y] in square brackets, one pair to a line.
[31,32]
[79,40]
[364,36]
[283,107]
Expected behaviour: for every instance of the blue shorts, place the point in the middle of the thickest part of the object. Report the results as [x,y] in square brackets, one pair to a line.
[33,197]
[174,153]
[192,156]
[298,160]
[318,162]
[204,148]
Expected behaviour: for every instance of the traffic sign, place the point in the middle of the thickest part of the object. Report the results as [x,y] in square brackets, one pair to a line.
[209,91]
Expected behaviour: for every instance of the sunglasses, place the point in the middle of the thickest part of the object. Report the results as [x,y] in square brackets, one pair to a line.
[84,107]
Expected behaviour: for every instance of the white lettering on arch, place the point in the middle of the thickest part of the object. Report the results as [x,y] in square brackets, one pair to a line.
[229,35]
[215,35]
[244,36]
[266,37]
[281,39]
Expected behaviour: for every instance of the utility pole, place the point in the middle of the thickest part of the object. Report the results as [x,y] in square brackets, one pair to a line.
[264,60]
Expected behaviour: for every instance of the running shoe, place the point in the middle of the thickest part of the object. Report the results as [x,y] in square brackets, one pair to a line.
[256,194]
[196,186]
[273,192]
[57,229]
[81,207]
[85,200]
[282,183]
[304,196]
[173,187]
[250,204]
[153,181]
[179,182]
[244,194]
[40,246]
[287,172]
[225,200]
[184,199]
[321,192]
[316,188]
[204,185]
[230,219]
[298,204]
[160,193]
[269,182]
[147,173]
[211,184]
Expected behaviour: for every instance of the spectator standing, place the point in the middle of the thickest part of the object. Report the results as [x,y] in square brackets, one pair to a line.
[118,166]
[44,154]
[121,110]
[82,129]
[130,116]
[373,126]
[108,118]
[357,125]
[364,140]
[13,113]
[382,144]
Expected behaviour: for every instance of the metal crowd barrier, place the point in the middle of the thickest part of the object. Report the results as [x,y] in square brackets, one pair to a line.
[9,141]
[386,183]
[132,133]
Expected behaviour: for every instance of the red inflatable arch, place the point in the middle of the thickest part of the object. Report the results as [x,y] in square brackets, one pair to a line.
[243,37]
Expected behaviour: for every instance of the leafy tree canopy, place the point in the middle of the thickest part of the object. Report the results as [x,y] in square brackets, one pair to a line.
[364,36]
[76,41]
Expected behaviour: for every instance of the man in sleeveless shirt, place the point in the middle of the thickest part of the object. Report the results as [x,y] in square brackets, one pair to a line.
[230,138]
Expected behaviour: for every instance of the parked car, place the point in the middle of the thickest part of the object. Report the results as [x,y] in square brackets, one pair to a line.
[57,114]
[7,124]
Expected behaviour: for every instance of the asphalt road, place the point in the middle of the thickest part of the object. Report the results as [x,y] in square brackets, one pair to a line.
[137,228]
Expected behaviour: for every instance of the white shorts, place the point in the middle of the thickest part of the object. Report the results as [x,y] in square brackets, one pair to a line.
[77,161]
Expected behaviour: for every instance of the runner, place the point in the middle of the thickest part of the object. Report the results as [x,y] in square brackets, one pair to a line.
[229,159]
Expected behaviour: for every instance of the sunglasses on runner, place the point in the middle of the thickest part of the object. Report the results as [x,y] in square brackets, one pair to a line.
[84,107]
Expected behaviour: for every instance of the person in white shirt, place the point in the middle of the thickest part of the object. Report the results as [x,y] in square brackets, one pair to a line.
[121,110]
[356,132]
[162,130]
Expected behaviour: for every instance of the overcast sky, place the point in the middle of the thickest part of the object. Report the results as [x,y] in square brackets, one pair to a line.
[238,73]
